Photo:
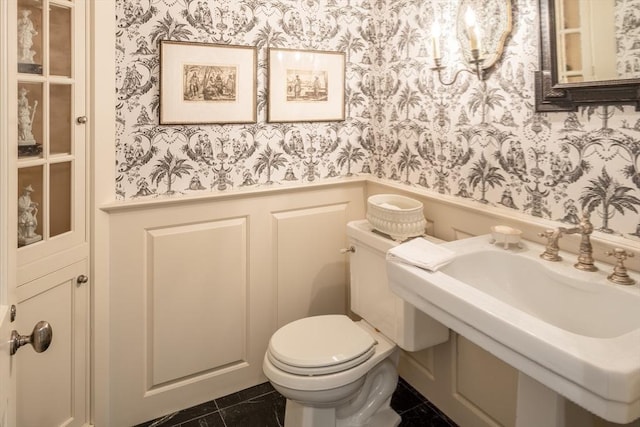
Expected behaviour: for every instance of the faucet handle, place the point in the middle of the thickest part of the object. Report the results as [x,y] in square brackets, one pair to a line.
[620,275]
[548,233]
[545,233]
[620,254]
[551,250]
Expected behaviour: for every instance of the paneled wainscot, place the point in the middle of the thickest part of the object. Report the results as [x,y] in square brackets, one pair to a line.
[198,285]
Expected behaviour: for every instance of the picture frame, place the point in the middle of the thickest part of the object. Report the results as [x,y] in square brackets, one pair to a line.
[203,83]
[305,85]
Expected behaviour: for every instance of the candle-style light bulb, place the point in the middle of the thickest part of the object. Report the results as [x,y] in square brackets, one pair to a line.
[470,20]
[435,40]
[478,37]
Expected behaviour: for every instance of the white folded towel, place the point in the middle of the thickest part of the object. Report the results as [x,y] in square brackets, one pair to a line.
[421,253]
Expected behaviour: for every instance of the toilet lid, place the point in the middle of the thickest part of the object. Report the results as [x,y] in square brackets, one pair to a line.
[320,345]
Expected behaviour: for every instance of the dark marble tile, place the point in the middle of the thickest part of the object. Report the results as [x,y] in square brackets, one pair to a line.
[424,416]
[410,388]
[179,417]
[195,412]
[435,409]
[245,394]
[166,421]
[405,398]
[266,410]
[262,406]
[210,420]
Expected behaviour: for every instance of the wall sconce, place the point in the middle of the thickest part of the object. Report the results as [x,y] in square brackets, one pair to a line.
[473,33]
[481,47]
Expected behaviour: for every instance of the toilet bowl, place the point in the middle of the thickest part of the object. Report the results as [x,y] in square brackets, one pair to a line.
[334,371]
[352,359]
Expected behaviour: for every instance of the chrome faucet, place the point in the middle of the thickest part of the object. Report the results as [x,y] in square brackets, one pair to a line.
[585,254]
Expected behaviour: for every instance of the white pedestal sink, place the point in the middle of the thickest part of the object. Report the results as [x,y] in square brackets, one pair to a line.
[568,332]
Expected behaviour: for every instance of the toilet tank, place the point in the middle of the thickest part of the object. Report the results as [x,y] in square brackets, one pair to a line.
[372,299]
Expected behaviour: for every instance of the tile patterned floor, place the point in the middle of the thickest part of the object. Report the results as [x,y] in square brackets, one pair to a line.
[262,406]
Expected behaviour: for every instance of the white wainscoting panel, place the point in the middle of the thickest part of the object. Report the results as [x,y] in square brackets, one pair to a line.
[483,383]
[311,272]
[423,361]
[197,288]
[196,284]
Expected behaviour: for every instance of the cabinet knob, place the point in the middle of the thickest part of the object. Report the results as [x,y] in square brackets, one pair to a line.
[81,120]
[82,279]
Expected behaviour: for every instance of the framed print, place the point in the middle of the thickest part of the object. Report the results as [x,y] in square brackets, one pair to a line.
[305,86]
[203,83]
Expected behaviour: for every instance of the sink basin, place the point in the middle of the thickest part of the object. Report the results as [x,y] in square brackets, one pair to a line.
[525,284]
[573,331]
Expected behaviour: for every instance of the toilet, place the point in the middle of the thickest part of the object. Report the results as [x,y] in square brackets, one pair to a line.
[335,371]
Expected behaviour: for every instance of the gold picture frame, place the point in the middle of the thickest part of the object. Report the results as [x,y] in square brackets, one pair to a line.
[203,83]
[305,85]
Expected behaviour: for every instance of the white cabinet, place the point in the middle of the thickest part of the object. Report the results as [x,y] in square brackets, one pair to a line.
[53,387]
[48,136]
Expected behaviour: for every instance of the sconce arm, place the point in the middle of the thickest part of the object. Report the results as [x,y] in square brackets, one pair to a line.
[455,77]
[477,61]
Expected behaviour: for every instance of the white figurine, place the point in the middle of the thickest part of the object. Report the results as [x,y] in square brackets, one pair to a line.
[26,114]
[26,32]
[27,218]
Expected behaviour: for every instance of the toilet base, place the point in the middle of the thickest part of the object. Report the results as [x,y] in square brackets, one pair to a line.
[297,415]
[370,407]
[385,418]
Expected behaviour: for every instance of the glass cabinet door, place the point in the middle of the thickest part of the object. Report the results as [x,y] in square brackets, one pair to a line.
[51,133]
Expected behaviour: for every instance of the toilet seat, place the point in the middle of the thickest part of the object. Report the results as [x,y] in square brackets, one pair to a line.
[320,345]
[315,383]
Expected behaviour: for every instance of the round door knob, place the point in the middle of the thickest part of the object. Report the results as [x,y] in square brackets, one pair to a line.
[81,120]
[82,279]
[40,338]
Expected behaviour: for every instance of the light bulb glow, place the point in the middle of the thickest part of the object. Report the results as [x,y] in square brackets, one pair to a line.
[470,17]
[470,20]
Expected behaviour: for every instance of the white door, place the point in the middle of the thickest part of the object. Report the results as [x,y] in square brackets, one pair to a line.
[7,379]
[7,296]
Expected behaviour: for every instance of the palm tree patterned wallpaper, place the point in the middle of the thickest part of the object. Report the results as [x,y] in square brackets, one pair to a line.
[627,34]
[476,140]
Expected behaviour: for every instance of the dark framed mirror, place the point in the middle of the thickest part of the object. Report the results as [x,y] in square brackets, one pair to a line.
[569,76]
